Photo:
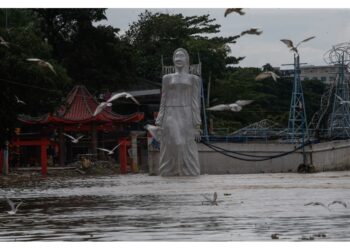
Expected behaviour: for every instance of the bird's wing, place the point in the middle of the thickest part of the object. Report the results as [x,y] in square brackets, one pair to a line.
[18,205]
[215,197]
[219,107]
[11,203]
[305,40]
[115,147]
[34,60]
[274,76]
[133,98]
[287,42]
[80,137]
[228,11]
[116,96]
[341,99]
[338,202]
[310,203]
[51,67]
[262,76]
[153,130]
[205,197]
[103,149]
[71,137]
[243,102]
[99,108]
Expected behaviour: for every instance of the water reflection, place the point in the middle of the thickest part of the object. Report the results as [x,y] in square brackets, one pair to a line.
[142,208]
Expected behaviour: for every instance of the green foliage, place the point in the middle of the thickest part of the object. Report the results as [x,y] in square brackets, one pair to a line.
[94,56]
[156,35]
[38,87]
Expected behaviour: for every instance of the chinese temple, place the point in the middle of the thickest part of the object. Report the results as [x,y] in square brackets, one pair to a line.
[74,118]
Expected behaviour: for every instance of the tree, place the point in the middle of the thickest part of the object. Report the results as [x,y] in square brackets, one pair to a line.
[38,87]
[94,56]
[157,35]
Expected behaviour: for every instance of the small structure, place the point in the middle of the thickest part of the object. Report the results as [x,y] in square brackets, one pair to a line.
[75,116]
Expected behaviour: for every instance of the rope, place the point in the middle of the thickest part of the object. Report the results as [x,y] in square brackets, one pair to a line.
[263,158]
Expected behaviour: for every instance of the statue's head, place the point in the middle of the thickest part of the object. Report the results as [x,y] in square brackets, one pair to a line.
[181,59]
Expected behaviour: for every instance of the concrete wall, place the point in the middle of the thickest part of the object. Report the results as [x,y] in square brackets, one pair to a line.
[334,155]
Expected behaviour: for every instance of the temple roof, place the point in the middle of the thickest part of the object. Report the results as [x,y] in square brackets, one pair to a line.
[79,108]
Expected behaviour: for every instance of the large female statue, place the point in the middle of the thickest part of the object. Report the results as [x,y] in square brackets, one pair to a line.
[179,119]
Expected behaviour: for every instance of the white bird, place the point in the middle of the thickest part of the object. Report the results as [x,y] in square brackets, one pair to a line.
[74,140]
[235,107]
[110,152]
[267,74]
[316,204]
[13,206]
[290,45]
[155,131]
[342,100]
[42,63]
[211,201]
[20,101]
[338,202]
[3,42]
[231,10]
[108,103]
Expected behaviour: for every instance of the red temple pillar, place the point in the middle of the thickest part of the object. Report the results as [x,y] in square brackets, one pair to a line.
[43,156]
[122,155]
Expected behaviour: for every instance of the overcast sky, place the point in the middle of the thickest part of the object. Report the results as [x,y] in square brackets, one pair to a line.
[330,26]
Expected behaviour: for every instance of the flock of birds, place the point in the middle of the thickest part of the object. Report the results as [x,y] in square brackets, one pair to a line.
[208,201]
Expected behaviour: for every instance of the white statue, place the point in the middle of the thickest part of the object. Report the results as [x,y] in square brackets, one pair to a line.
[179,119]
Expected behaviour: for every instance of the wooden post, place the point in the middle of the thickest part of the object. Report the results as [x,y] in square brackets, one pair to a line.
[62,145]
[94,139]
[134,160]
[43,154]
[122,156]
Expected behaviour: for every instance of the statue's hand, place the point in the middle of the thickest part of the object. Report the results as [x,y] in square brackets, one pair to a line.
[197,134]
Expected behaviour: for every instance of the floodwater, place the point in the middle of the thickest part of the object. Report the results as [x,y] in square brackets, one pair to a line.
[139,207]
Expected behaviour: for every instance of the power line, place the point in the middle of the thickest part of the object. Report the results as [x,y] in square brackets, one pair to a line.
[29,86]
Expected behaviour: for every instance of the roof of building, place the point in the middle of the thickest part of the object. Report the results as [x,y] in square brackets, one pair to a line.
[79,108]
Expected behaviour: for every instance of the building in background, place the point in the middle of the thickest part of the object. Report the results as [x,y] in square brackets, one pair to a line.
[324,74]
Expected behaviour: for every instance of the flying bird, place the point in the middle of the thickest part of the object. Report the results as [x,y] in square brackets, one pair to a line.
[154,131]
[74,140]
[19,100]
[338,202]
[235,107]
[342,101]
[3,42]
[290,45]
[13,206]
[237,10]
[267,74]
[42,63]
[316,204]
[108,103]
[110,152]
[252,31]
[211,201]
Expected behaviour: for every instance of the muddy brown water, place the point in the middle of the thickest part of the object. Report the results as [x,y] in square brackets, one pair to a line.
[151,208]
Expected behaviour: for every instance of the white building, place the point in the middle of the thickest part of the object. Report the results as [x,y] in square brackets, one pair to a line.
[325,73]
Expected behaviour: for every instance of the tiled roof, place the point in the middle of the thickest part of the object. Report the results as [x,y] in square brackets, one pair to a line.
[79,108]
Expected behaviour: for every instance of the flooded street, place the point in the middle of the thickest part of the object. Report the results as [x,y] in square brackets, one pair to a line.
[152,208]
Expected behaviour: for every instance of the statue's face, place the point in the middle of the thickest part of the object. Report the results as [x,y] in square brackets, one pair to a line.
[180,59]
